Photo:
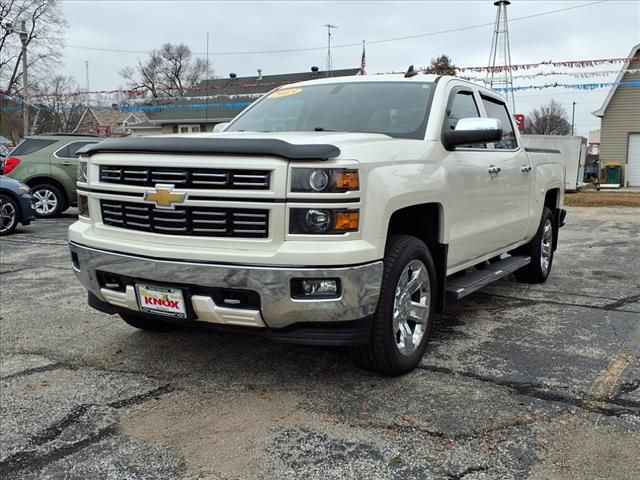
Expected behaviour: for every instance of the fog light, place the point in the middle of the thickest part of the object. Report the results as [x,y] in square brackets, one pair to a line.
[315,287]
[319,287]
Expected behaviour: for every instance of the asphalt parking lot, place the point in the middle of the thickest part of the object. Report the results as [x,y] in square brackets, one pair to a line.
[519,381]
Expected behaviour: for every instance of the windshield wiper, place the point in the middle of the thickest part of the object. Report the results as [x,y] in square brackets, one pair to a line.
[322,129]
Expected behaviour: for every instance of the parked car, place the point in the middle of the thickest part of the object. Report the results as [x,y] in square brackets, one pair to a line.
[341,211]
[16,205]
[49,165]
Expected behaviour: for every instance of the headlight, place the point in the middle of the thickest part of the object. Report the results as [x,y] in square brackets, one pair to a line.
[24,188]
[83,206]
[325,180]
[82,172]
[323,221]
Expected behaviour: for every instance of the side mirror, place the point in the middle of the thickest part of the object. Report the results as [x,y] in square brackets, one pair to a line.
[473,130]
[220,127]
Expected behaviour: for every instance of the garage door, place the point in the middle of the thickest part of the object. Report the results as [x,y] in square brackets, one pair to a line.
[633,161]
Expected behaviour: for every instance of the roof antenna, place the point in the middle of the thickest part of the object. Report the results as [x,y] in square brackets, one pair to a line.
[410,72]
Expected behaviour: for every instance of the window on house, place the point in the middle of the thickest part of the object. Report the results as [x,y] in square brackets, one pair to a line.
[188,129]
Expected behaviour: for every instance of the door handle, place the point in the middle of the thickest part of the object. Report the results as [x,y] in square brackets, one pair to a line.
[493,170]
[525,168]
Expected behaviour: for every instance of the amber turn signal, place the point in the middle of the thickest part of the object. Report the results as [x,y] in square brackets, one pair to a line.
[347,220]
[347,180]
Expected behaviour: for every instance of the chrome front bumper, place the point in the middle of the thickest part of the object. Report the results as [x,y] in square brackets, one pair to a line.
[360,287]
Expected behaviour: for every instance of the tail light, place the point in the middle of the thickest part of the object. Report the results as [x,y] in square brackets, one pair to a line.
[9,164]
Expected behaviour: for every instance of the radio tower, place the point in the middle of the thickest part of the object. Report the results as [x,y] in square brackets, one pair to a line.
[499,74]
[329,59]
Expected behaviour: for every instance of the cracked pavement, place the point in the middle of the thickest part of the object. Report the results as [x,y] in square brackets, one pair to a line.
[519,381]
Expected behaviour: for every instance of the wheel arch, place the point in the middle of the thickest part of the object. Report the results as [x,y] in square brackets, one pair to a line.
[32,182]
[552,201]
[430,230]
[14,197]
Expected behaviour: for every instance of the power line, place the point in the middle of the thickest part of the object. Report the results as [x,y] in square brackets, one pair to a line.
[355,44]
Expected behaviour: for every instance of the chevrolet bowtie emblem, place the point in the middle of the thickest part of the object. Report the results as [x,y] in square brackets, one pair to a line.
[164,196]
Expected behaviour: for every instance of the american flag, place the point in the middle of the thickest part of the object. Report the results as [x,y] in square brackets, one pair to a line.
[363,62]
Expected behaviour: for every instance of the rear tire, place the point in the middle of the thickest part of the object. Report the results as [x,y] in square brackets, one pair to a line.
[147,324]
[403,318]
[49,200]
[540,249]
[9,214]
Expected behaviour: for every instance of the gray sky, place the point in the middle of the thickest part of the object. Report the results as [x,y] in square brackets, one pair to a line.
[603,30]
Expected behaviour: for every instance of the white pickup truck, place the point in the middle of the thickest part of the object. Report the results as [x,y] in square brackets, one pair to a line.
[340,211]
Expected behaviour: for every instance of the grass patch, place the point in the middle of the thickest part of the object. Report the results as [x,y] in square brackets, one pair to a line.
[593,198]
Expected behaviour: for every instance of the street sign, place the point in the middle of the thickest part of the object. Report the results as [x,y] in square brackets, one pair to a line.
[103,130]
[519,118]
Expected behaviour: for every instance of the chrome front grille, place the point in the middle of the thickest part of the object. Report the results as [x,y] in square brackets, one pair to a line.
[194,221]
[202,178]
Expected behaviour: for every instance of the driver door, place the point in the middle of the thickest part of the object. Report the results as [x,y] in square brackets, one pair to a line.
[473,204]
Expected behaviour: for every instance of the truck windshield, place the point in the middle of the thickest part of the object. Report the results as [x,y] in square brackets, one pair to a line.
[397,109]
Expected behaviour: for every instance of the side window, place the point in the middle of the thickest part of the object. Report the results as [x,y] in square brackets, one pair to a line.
[74,147]
[69,150]
[497,109]
[462,105]
[63,152]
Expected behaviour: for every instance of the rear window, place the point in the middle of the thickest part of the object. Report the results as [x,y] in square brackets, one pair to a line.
[31,145]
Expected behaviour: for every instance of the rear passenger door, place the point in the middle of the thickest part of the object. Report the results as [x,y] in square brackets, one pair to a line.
[65,161]
[512,183]
[472,200]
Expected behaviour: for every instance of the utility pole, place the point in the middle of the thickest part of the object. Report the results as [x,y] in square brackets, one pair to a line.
[25,79]
[329,59]
[86,67]
[573,117]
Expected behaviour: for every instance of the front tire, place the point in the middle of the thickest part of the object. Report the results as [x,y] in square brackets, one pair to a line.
[403,318]
[147,324]
[540,249]
[8,214]
[49,200]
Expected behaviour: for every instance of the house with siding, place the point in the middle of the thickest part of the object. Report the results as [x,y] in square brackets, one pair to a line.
[219,100]
[620,123]
[108,122]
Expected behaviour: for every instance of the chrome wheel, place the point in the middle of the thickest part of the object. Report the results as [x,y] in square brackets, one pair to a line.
[46,201]
[546,246]
[411,307]
[7,216]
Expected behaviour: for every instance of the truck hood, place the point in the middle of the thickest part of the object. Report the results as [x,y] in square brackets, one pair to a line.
[294,146]
[352,145]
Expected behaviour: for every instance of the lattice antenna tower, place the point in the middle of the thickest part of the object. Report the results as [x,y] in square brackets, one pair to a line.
[329,65]
[500,74]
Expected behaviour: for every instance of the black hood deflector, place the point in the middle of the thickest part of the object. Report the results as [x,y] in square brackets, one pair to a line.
[209,146]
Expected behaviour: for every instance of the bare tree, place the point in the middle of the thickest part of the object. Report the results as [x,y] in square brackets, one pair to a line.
[45,27]
[550,119]
[59,105]
[168,72]
[146,75]
[443,65]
